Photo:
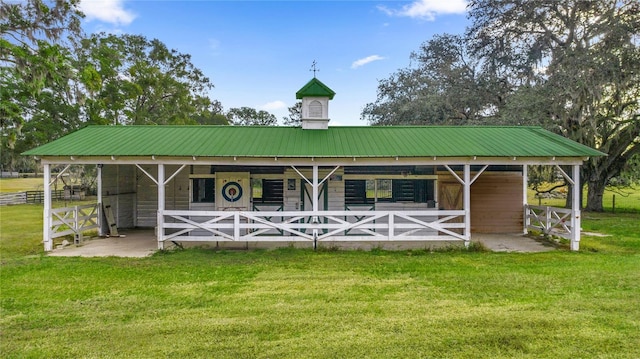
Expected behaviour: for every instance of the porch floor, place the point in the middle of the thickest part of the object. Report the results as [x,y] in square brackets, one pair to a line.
[511,242]
[142,243]
[134,243]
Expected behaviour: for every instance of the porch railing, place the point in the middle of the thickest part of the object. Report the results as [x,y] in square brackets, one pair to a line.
[73,220]
[549,220]
[321,226]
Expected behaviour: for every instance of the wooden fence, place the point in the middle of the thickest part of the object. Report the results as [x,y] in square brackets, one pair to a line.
[321,226]
[549,220]
[74,221]
[29,197]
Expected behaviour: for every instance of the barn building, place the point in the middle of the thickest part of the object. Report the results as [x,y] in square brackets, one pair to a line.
[314,183]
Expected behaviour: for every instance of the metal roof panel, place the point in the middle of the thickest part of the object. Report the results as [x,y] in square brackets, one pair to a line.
[249,141]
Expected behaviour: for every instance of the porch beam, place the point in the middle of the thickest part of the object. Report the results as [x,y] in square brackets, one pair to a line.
[575,210]
[525,199]
[150,176]
[51,181]
[314,187]
[467,204]
[566,176]
[99,198]
[160,221]
[454,174]
[302,176]
[46,214]
[478,174]
[301,161]
[329,175]
[174,174]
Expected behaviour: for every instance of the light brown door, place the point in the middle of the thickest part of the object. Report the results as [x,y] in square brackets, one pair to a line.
[449,195]
[450,198]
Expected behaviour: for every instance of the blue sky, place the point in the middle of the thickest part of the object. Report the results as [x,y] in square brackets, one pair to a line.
[259,53]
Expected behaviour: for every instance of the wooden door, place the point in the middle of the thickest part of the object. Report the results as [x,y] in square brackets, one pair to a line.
[307,197]
[232,191]
[450,198]
[450,195]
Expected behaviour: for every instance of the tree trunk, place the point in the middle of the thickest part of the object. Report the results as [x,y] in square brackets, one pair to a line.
[595,193]
[569,201]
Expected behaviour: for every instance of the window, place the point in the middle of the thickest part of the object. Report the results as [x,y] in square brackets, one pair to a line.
[315,109]
[383,190]
[387,190]
[203,190]
[267,190]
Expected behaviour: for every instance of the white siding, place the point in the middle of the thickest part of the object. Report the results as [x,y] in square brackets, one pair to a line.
[147,197]
[176,193]
[335,189]
[118,184]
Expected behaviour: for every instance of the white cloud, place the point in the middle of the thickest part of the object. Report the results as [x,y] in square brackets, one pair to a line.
[365,60]
[274,105]
[111,11]
[428,9]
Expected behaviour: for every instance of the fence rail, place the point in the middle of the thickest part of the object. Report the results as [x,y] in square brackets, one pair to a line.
[13,198]
[73,220]
[321,226]
[549,220]
[30,197]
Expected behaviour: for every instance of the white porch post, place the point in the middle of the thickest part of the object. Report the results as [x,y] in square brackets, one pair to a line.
[315,203]
[575,209]
[467,204]
[160,222]
[525,200]
[46,213]
[315,191]
[99,198]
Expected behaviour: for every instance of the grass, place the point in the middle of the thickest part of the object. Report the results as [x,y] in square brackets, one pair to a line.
[294,303]
[20,184]
[626,199]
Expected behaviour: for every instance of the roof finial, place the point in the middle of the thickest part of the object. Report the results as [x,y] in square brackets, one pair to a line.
[314,69]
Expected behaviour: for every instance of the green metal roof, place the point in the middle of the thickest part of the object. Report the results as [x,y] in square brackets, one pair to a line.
[315,88]
[250,141]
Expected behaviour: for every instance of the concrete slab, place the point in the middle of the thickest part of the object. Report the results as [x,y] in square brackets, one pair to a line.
[142,243]
[135,243]
[511,242]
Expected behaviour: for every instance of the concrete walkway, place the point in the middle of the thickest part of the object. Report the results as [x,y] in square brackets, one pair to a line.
[511,242]
[142,243]
[135,243]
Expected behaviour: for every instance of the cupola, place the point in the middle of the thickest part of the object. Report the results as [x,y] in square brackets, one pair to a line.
[315,98]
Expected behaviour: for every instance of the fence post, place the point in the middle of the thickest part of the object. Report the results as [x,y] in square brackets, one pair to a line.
[547,220]
[46,213]
[236,226]
[613,209]
[526,219]
[77,237]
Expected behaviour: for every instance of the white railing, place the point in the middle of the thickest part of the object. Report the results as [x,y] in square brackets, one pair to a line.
[73,220]
[549,220]
[321,226]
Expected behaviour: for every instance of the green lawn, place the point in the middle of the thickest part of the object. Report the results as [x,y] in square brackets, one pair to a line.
[626,199]
[20,184]
[292,303]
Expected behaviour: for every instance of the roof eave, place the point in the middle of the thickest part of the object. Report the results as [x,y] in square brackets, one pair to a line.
[314,160]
